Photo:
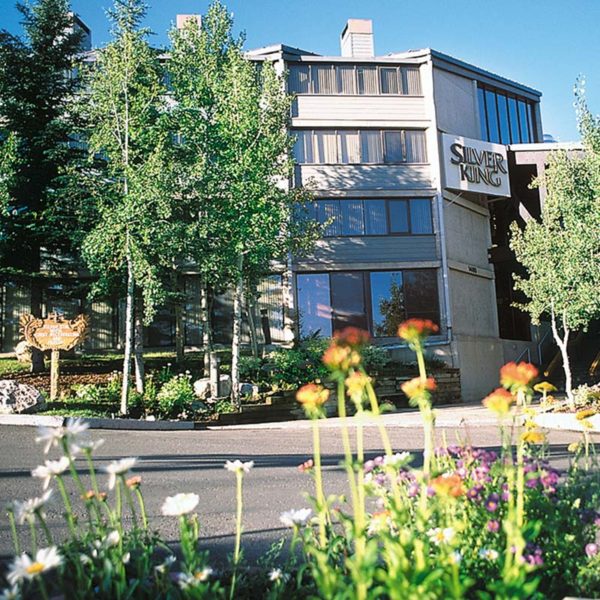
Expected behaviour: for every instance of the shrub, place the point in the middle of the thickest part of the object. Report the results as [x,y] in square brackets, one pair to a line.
[291,367]
[251,369]
[175,398]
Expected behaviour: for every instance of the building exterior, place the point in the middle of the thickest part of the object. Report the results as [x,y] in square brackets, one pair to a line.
[417,161]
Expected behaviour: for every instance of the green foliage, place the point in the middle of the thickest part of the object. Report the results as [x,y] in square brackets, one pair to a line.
[176,398]
[375,358]
[251,369]
[561,252]
[299,365]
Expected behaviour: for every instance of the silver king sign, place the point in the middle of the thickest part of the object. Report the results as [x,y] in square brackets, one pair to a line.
[475,166]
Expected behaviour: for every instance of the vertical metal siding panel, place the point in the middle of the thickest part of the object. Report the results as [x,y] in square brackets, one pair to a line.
[271,300]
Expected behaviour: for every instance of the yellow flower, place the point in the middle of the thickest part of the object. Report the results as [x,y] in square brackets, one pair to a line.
[533,437]
[585,413]
[544,387]
[416,387]
[340,358]
[312,396]
[356,383]
[574,447]
[499,401]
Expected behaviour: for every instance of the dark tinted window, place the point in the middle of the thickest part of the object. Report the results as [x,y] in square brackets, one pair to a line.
[375,217]
[314,304]
[503,119]
[387,302]
[513,116]
[348,300]
[398,216]
[420,216]
[421,294]
[492,117]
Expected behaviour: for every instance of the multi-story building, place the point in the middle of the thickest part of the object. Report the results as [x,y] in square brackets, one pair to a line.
[418,162]
[406,153]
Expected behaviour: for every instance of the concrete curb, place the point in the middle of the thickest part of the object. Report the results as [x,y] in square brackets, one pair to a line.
[567,422]
[97,423]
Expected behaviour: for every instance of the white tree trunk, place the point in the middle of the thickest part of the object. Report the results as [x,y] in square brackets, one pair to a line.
[252,321]
[562,343]
[129,318]
[206,332]
[237,335]
[138,354]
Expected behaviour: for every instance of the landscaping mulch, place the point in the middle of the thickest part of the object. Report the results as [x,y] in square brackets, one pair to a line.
[41,381]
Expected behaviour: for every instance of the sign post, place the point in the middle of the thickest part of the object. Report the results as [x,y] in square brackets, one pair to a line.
[55,333]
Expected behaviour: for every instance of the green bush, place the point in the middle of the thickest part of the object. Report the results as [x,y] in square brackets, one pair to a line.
[175,398]
[251,369]
[375,358]
[299,365]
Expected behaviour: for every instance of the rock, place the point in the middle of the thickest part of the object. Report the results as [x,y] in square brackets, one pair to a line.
[202,387]
[23,351]
[248,389]
[19,398]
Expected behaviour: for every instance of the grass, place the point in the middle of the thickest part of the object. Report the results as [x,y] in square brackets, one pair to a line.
[10,366]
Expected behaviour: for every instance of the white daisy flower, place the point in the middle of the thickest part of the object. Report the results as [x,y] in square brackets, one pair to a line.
[126,558]
[455,558]
[277,575]
[295,518]
[118,467]
[11,593]
[24,568]
[441,536]
[50,469]
[180,504]
[87,446]
[237,466]
[489,554]
[84,559]
[396,460]
[51,436]
[25,511]
[165,565]
[112,539]
[186,580]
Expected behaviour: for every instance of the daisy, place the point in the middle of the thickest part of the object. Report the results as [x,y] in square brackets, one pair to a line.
[186,581]
[489,554]
[112,539]
[396,460]
[118,467]
[180,504]
[165,565]
[24,568]
[295,518]
[53,435]
[87,446]
[25,511]
[237,466]
[277,575]
[441,536]
[11,593]
[50,469]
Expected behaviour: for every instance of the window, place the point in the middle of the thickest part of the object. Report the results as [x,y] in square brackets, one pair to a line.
[392,152]
[504,118]
[389,80]
[314,304]
[398,210]
[358,217]
[374,300]
[367,80]
[367,146]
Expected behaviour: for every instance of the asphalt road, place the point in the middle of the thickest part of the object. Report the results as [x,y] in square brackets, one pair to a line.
[193,461]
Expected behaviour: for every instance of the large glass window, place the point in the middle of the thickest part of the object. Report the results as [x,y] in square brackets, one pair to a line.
[351,79]
[354,217]
[374,300]
[504,118]
[367,146]
[314,304]
[387,302]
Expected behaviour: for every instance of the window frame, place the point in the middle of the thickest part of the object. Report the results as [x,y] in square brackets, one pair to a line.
[367,292]
[401,79]
[387,201]
[381,135]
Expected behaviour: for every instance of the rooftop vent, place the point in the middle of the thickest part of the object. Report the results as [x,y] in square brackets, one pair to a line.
[357,38]
[183,20]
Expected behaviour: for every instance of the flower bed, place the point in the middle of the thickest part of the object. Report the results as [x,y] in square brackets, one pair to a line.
[466,522]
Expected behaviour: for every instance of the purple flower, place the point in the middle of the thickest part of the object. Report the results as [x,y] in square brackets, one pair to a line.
[493,526]
[532,483]
[591,550]
[413,490]
[491,504]
[369,466]
[534,557]
[473,493]
[505,492]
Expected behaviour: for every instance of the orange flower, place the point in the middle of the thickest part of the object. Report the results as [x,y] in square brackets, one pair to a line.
[306,465]
[515,376]
[91,495]
[312,396]
[533,437]
[352,336]
[356,383]
[133,482]
[340,357]
[415,388]
[499,401]
[448,485]
[415,330]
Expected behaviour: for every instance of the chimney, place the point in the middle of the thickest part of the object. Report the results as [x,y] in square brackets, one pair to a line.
[183,20]
[357,38]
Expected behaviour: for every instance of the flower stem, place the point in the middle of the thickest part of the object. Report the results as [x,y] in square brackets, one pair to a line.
[13,531]
[67,503]
[238,531]
[321,505]
[140,498]
[341,398]
[44,527]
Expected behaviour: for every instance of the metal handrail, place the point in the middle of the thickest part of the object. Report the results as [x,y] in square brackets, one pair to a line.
[526,352]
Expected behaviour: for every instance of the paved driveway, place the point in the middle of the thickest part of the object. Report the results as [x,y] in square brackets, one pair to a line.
[192,461]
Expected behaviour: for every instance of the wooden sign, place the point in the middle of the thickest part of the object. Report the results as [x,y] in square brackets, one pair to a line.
[55,332]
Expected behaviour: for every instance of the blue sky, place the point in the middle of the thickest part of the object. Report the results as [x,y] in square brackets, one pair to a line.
[542,43]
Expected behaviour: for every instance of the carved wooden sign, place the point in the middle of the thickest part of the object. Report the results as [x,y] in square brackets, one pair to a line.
[55,332]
